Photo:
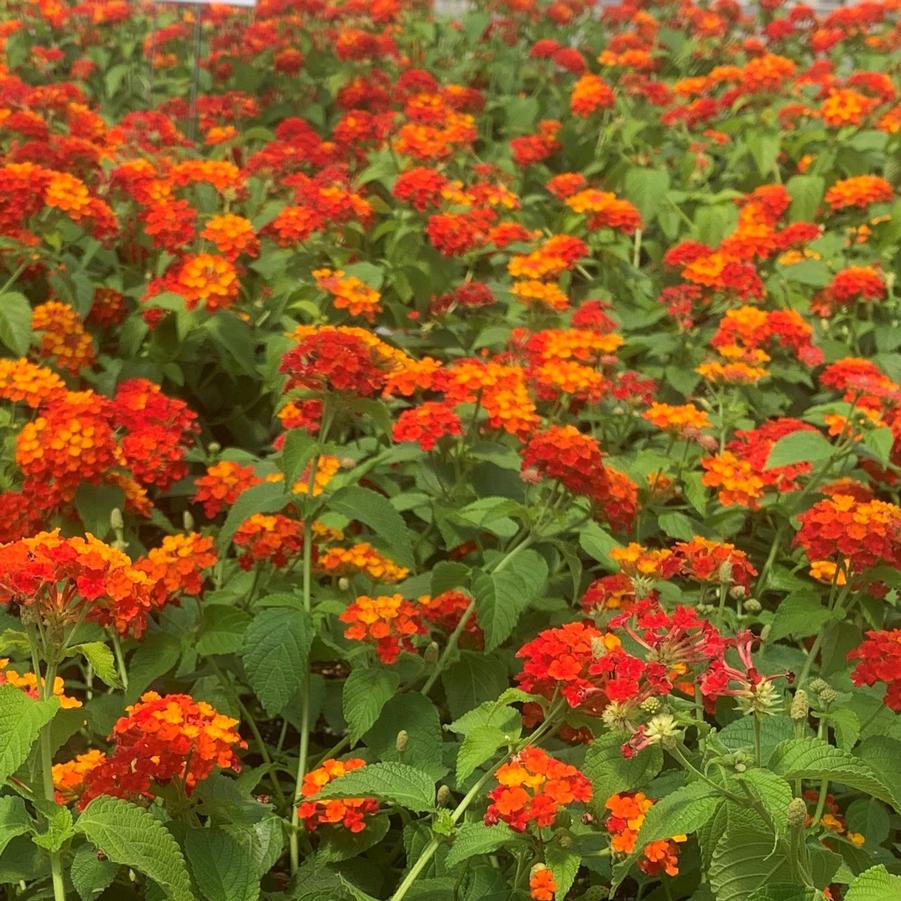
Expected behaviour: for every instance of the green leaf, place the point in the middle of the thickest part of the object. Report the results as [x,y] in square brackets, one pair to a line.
[813,758]
[476,677]
[270,497]
[883,755]
[869,818]
[447,575]
[90,875]
[597,543]
[880,442]
[676,525]
[132,836]
[679,813]
[15,322]
[365,693]
[564,865]
[799,447]
[806,193]
[417,716]
[875,884]
[299,448]
[477,838]
[846,726]
[800,614]
[739,734]
[95,504]
[234,339]
[222,868]
[479,745]
[59,830]
[101,659]
[21,720]
[774,795]
[393,783]
[743,861]
[275,653]
[264,842]
[611,773]
[222,630]
[375,511]
[14,819]
[500,600]
[647,189]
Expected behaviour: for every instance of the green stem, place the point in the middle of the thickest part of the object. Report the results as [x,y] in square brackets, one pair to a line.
[818,641]
[120,661]
[306,700]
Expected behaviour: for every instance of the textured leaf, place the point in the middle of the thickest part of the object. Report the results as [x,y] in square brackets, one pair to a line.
[477,838]
[611,773]
[275,653]
[130,835]
[14,820]
[647,188]
[800,614]
[681,812]
[812,758]
[394,783]
[21,720]
[739,734]
[365,693]
[501,597]
[743,861]
[774,795]
[799,447]
[479,745]
[90,875]
[875,884]
[101,659]
[270,497]
[473,679]
[806,193]
[564,865]
[417,715]
[375,511]
[223,630]
[15,322]
[264,842]
[597,543]
[223,870]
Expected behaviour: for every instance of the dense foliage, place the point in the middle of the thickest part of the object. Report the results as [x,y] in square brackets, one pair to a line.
[450,460]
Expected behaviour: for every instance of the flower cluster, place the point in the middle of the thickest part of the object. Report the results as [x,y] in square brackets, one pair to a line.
[389,622]
[351,813]
[879,660]
[627,813]
[533,788]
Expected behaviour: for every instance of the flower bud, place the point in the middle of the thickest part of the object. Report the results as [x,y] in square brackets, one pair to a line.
[443,795]
[752,605]
[348,463]
[828,695]
[740,767]
[797,814]
[400,743]
[724,573]
[117,523]
[430,655]
[765,633]
[187,521]
[737,592]
[343,583]
[596,893]
[213,448]
[800,707]
[817,685]
[650,705]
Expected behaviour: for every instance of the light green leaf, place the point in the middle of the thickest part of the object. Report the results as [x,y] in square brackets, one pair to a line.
[15,322]
[799,447]
[800,614]
[501,597]
[275,652]
[222,630]
[59,830]
[101,659]
[847,727]
[564,864]
[132,836]
[679,813]
[597,543]
[365,693]
[223,870]
[647,189]
[477,838]
[21,720]
[375,511]
[875,884]
[393,783]
[479,745]
[806,193]
[774,795]
[812,758]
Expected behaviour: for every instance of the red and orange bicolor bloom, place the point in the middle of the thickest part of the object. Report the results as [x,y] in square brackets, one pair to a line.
[351,813]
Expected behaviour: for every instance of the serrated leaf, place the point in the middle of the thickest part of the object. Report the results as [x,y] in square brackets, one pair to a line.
[846,726]
[869,818]
[800,614]
[417,715]
[477,838]
[91,875]
[447,575]
[812,758]
[806,193]
[597,543]
[275,653]
[223,870]
[647,189]
[479,745]
[101,659]
[363,696]
[21,720]
[393,783]
[299,448]
[676,525]
[15,322]
[132,836]
[501,597]
[264,842]
[774,795]
[59,830]
[375,511]
[744,860]
[222,630]
[475,678]
[610,772]
[875,884]
[564,865]
[799,447]
[739,734]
